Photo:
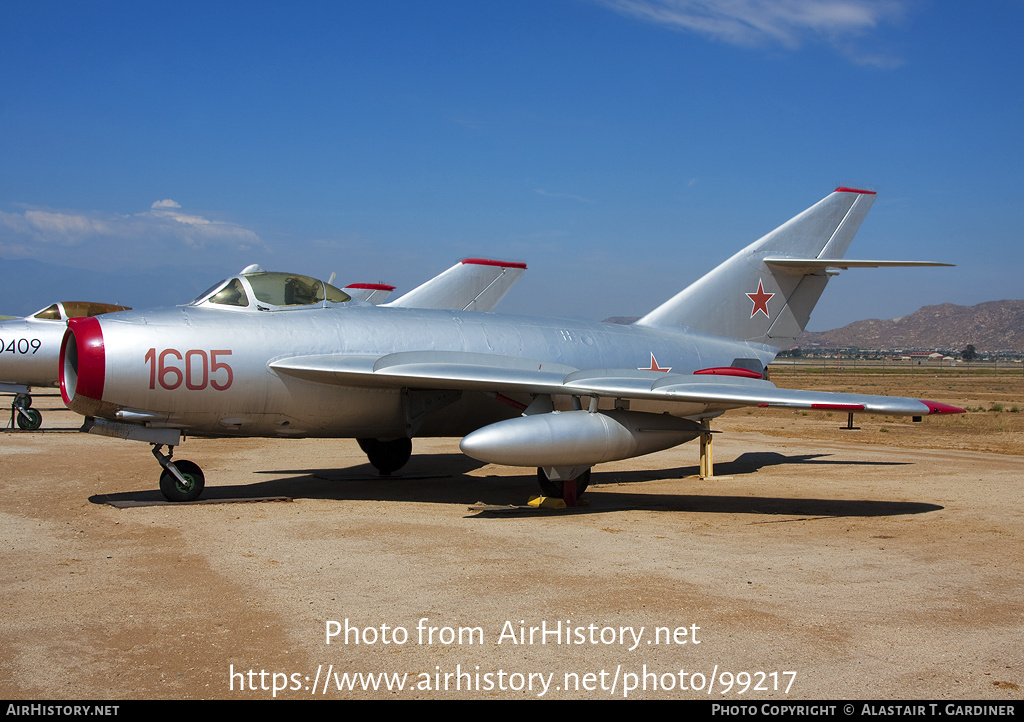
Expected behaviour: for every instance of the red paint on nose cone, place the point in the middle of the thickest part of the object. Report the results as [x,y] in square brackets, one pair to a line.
[87,336]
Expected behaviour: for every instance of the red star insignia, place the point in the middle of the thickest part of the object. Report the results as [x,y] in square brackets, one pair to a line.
[654,366]
[760,300]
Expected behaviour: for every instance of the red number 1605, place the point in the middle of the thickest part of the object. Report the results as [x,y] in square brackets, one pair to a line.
[195,370]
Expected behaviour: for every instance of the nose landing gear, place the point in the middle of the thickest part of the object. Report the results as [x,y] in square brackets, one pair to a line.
[27,419]
[181,480]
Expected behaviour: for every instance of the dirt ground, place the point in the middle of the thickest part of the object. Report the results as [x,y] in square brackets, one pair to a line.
[883,562]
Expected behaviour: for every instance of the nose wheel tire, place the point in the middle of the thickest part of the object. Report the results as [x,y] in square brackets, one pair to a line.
[29,419]
[174,490]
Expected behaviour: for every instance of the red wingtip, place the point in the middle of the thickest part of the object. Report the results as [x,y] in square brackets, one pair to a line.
[934,407]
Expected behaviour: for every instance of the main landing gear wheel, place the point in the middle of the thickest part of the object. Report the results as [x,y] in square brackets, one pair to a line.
[557,489]
[387,457]
[174,490]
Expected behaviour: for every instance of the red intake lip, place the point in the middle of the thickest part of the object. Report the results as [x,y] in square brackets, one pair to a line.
[82,360]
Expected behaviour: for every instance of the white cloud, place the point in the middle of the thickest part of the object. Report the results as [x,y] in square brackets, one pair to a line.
[51,227]
[166,203]
[789,23]
[168,210]
[33,231]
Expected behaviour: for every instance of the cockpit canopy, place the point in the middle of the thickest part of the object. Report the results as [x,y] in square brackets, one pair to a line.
[76,309]
[261,290]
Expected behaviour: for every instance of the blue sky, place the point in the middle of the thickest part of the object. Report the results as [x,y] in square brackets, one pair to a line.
[619,147]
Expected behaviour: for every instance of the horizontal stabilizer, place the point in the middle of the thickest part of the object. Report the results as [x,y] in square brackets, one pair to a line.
[809,265]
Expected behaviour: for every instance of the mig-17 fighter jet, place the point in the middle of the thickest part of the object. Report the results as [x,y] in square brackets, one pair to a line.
[283,355]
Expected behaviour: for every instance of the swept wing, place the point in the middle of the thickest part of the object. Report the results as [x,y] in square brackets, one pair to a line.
[715,392]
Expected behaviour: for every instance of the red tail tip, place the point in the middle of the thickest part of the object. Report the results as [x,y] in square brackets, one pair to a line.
[371,286]
[490,262]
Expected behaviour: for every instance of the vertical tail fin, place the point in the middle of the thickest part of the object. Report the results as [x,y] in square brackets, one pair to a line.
[752,298]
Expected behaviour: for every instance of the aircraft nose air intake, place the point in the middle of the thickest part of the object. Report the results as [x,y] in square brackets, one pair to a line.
[82,362]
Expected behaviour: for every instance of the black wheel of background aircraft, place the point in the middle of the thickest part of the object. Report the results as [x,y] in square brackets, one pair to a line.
[173,490]
[555,489]
[33,421]
[387,457]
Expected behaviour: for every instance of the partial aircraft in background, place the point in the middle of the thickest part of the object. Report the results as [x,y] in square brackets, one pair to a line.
[375,293]
[472,284]
[558,395]
[29,352]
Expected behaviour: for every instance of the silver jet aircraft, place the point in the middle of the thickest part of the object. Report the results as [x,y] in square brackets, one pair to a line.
[280,355]
[30,350]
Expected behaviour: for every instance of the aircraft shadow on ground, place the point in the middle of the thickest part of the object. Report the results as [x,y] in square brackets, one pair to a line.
[443,478]
[747,463]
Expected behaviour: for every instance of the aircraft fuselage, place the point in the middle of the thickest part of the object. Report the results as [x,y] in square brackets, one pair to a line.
[195,369]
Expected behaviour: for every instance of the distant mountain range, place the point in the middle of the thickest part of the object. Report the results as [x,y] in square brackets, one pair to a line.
[990,326]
